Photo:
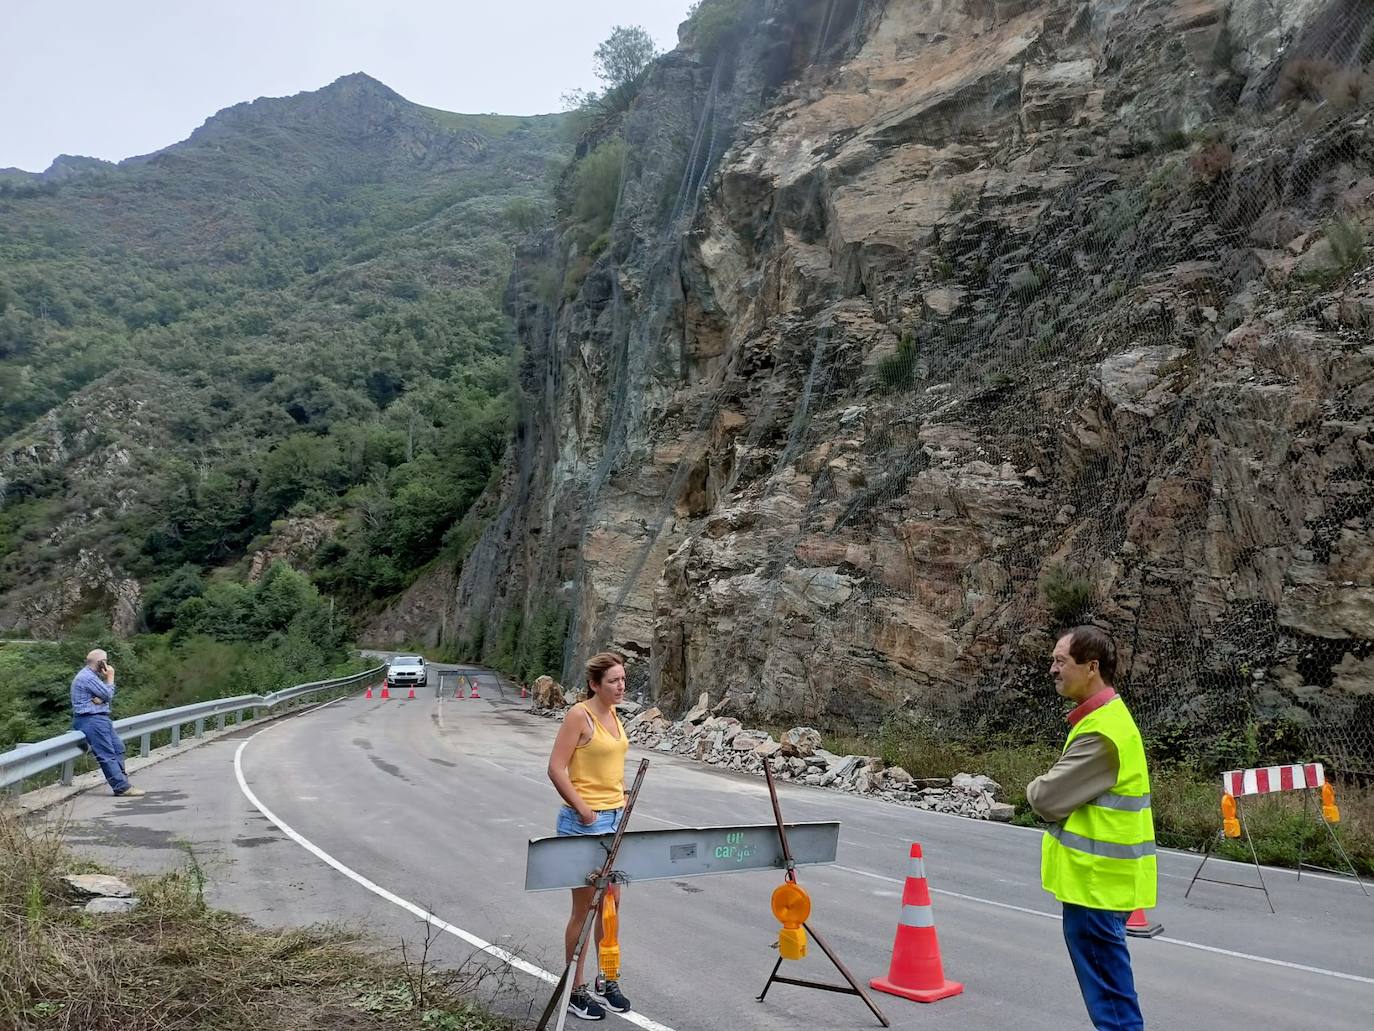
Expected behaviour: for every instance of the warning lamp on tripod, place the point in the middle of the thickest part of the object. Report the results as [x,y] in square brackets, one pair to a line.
[1331,812]
[1229,823]
[791,905]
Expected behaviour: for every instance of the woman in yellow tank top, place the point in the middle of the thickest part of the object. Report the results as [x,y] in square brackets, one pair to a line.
[587,767]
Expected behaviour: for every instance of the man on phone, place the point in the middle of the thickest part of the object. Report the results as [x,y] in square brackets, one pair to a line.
[92,691]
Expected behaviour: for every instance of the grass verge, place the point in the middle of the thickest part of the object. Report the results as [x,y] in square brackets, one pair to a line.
[1186,801]
[174,964]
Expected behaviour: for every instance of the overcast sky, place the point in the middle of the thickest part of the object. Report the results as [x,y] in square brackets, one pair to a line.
[115,78]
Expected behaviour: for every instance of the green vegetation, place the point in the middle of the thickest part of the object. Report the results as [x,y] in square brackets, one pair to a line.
[1185,794]
[223,638]
[523,649]
[175,963]
[711,25]
[285,321]
[597,185]
[898,370]
[1068,595]
[621,61]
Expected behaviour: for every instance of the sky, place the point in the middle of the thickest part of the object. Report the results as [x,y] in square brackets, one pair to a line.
[116,78]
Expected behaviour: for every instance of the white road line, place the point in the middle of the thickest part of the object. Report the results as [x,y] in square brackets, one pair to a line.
[1169,941]
[509,958]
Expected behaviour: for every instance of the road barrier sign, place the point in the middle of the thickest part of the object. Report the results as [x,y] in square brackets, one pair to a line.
[675,853]
[1268,780]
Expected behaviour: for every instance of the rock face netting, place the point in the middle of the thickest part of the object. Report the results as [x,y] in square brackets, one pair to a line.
[989,320]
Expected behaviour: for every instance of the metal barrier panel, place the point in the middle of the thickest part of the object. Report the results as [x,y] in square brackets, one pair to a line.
[680,852]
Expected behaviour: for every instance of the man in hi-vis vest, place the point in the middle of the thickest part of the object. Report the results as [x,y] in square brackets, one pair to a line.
[1098,857]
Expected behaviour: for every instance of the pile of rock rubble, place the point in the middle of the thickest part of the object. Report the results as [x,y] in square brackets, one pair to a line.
[708,736]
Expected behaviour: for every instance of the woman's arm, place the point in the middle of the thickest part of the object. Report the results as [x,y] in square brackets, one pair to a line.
[569,736]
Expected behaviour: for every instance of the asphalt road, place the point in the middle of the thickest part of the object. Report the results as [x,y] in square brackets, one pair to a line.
[378,811]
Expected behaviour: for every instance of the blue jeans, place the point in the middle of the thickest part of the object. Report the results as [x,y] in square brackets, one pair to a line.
[106,747]
[1097,946]
[571,825]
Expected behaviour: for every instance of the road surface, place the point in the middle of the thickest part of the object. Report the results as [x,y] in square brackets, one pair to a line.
[369,813]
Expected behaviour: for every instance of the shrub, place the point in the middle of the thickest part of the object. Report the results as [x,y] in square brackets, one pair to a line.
[596,185]
[898,370]
[1069,595]
[710,24]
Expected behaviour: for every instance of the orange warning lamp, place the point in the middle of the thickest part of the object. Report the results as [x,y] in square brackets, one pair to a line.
[1331,813]
[609,953]
[1229,824]
[791,905]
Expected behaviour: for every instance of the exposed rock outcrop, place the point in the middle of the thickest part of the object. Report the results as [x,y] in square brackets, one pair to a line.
[991,317]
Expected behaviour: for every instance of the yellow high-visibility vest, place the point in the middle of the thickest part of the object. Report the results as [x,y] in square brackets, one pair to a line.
[1103,855]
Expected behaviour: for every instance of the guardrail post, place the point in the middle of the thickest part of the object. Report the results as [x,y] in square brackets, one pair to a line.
[200,727]
[145,745]
[238,716]
[219,721]
[68,769]
[176,735]
[257,712]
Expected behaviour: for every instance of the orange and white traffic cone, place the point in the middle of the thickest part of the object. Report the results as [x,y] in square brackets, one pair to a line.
[411,696]
[386,691]
[369,691]
[1138,925]
[524,693]
[474,691]
[458,691]
[916,972]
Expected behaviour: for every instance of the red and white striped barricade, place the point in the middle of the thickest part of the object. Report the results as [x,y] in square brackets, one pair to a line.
[1237,785]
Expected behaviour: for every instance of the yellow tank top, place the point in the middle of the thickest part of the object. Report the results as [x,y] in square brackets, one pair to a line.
[597,769]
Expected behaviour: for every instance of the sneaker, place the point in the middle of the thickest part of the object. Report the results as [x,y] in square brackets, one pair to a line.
[581,1003]
[131,792]
[609,993]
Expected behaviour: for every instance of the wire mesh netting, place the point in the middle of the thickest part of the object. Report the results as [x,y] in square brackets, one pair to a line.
[970,337]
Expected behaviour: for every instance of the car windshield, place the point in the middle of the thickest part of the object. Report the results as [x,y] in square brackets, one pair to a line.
[406,660]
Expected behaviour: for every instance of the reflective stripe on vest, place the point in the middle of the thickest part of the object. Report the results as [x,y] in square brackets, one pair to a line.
[1100,848]
[1103,855]
[1126,803]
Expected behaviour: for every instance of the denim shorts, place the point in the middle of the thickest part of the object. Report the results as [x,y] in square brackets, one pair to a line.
[570,824]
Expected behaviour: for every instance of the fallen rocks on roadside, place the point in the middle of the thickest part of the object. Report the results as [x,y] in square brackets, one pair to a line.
[707,736]
[101,893]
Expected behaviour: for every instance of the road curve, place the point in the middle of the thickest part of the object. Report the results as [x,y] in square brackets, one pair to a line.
[375,813]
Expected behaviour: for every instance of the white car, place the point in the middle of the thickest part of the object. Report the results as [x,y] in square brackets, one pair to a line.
[406,671]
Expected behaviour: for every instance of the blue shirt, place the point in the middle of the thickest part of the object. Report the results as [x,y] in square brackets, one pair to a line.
[86,687]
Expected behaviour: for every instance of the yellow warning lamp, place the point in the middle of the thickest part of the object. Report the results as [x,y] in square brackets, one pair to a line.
[609,953]
[1331,813]
[791,905]
[1229,824]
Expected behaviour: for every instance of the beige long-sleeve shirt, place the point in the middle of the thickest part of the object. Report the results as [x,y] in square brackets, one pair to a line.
[1088,767]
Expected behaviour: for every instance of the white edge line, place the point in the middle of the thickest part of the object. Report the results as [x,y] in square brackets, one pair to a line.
[510,959]
[1170,941]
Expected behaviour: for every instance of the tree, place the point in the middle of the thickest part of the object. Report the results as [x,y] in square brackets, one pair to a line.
[623,55]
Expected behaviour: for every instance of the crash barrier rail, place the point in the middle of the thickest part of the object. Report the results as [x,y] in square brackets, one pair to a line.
[25,761]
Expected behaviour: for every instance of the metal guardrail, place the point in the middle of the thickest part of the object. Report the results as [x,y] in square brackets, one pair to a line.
[25,761]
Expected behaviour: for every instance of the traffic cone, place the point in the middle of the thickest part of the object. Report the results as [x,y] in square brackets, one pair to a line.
[386,691]
[458,691]
[369,691]
[1138,925]
[411,696]
[474,690]
[523,692]
[916,972]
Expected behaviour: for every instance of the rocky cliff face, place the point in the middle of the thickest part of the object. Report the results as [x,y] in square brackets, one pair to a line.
[985,316]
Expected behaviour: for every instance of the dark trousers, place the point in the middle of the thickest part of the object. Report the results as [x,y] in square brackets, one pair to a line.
[106,747]
[1097,947]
